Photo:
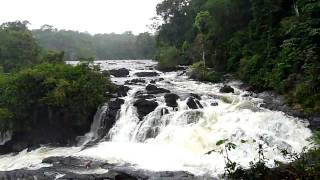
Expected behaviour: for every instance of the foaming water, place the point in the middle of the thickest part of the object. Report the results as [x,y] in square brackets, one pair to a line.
[176,139]
[33,159]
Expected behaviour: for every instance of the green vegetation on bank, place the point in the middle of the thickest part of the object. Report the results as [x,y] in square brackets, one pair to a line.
[305,165]
[48,93]
[272,45]
[100,46]
[18,48]
[42,99]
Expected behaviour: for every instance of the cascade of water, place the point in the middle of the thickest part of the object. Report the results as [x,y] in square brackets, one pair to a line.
[95,126]
[127,121]
[5,137]
[178,139]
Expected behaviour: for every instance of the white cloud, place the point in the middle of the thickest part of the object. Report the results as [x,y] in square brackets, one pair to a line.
[94,16]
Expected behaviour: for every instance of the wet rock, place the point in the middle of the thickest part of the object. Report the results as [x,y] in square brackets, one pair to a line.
[66,168]
[195,96]
[227,89]
[164,111]
[111,116]
[72,162]
[215,104]
[144,107]
[152,89]
[171,100]
[152,81]
[194,103]
[182,73]
[116,103]
[135,81]
[123,72]
[142,95]
[314,122]
[147,74]
[122,90]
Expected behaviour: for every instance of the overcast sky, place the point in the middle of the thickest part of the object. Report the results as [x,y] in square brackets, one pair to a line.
[93,16]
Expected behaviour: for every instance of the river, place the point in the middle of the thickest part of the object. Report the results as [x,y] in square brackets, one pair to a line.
[180,139]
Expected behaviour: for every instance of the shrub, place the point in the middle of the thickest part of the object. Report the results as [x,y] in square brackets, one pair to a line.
[168,58]
[201,73]
[52,94]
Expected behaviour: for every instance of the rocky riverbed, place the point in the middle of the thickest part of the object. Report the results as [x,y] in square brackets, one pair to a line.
[161,126]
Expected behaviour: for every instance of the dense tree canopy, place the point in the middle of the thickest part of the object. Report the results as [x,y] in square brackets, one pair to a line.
[42,99]
[271,44]
[100,46]
[48,93]
[17,46]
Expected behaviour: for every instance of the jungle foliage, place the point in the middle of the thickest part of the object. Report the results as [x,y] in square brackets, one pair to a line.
[39,90]
[270,44]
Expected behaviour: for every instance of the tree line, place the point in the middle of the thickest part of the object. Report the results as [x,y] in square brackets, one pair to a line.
[99,46]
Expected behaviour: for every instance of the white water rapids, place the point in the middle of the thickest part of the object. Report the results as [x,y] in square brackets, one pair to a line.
[180,139]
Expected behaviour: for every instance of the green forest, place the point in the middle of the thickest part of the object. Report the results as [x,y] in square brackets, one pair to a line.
[270,44]
[37,90]
[77,45]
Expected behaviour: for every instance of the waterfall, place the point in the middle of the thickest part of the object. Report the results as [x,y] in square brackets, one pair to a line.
[178,139]
[296,8]
[93,134]
[5,137]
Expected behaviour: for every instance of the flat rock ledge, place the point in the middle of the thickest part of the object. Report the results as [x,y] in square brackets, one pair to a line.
[66,168]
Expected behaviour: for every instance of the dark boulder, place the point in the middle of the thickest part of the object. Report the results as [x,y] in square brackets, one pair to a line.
[226,89]
[215,104]
[314,123]
[164,111]
[195,96]
[147,74]
[135,81]
[122,90]
[152,81]
[194,103]
[144,107]
[116,103]
[110,117]
[123,72]
[152,89]
[171,100]
[145,96]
